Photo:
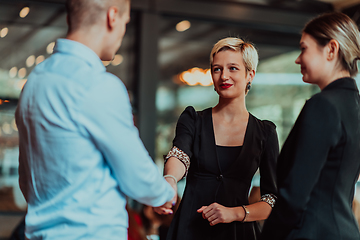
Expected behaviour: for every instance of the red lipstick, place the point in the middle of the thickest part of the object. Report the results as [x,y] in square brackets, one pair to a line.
[225,85]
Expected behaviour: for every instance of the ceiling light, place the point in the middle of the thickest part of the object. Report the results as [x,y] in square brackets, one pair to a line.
[4,32]
[50,48]
[30,61]
[183,26]
[39,59]
[118,59]
[24,12]
[196,76]
[13,71]
[22,72]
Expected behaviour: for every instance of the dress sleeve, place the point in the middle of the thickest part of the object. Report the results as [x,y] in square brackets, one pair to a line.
[269,157]
[301,161]
[184,138]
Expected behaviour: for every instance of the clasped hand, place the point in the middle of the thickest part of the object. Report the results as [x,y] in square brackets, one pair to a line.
[167,207]
[216,213]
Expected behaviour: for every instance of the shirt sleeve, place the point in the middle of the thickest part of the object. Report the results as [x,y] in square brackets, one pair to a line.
[268,186]
[300,163]
[108,120]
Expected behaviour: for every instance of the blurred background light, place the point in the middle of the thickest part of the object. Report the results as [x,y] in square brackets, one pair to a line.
[4,32]
[118,59]
[39,59]
[30,61]
[196,76]
[50,48]
[20,83]
[24,12]
[13,71]
[22,72]
[183,26]
[106,63]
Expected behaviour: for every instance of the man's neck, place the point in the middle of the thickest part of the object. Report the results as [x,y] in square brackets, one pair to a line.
[91,37]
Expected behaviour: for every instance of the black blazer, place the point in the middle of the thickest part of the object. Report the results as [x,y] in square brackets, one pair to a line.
[207,183]
[318,167]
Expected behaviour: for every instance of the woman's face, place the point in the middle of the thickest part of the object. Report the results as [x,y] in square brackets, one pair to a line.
[312,59]
[229,74]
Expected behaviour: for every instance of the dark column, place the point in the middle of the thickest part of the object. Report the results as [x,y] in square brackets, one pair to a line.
[148,74]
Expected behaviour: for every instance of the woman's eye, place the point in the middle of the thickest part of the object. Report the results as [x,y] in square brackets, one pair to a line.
[216,69]
[233,68]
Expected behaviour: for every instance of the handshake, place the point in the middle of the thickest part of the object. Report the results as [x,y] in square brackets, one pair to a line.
[167,208]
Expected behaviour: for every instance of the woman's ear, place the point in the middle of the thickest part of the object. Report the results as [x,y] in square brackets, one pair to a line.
[250,75]
[332,49]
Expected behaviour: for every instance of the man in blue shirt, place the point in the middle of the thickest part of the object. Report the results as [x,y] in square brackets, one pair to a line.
[80,153]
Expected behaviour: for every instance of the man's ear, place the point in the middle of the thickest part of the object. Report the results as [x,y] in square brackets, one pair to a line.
[112,17]
[332,49]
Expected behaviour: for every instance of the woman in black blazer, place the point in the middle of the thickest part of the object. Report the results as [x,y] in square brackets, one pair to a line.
[220,149]
[320,161]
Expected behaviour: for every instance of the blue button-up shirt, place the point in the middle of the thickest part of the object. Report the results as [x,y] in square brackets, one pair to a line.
[80,153]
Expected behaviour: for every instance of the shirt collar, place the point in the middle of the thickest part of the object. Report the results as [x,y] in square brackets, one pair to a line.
[79,50]
[346,82]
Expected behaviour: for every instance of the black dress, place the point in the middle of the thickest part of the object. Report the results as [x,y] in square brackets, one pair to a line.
[207,183]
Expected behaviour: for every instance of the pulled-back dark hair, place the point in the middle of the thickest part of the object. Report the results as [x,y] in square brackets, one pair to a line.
[341,28]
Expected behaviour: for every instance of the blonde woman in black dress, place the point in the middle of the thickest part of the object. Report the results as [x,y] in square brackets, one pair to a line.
[218,150]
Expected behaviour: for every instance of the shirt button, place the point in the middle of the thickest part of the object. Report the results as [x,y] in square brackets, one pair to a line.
[220,177]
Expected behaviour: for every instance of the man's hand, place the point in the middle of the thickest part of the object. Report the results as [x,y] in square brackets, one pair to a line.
[166,208]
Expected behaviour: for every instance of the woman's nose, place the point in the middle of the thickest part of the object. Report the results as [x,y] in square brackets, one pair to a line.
[297,61]
[224,75]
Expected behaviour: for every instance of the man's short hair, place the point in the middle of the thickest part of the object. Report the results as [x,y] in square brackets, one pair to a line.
[85,13]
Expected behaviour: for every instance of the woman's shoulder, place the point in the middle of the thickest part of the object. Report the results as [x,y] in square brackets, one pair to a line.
[191,119]
[191,112]
[320,102]
[264,122]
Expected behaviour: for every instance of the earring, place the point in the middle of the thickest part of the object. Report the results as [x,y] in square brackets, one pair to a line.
[248,87]
[214,89]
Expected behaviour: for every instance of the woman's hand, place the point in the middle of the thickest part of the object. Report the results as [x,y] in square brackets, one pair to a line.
[216,213]
[166,208]
[173,184]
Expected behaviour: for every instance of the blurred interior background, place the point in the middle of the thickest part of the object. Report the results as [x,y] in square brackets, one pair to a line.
[163,62]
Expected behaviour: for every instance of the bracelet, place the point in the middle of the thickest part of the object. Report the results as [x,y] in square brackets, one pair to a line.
[246,212]
[181,156]
[171,176]
[269,198]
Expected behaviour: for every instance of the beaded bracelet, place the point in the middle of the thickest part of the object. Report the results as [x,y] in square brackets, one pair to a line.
[182,156]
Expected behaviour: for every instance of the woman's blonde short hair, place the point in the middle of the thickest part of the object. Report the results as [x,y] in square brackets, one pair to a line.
[248,51]
[341,28]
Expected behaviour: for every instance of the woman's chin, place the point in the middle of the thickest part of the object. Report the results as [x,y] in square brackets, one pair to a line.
[306,79]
